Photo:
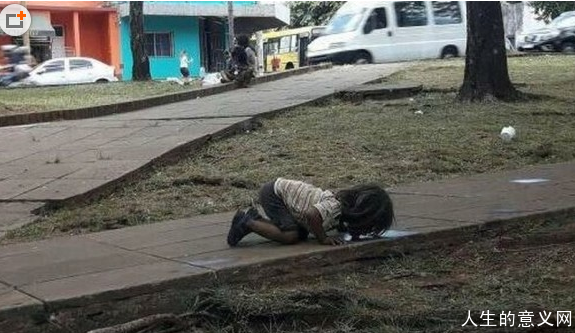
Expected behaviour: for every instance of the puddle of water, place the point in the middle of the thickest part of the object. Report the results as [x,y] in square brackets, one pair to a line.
[530,180]
[389,234]
[210,262]
[398,233]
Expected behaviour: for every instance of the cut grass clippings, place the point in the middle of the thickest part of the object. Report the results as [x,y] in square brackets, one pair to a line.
[338,145]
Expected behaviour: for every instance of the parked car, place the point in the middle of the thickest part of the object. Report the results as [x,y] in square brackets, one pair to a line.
[558,36]
[75,70]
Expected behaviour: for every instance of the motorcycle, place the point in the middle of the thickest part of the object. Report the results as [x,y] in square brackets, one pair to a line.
[17,68]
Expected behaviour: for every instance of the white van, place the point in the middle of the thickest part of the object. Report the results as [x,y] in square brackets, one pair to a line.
[387,31]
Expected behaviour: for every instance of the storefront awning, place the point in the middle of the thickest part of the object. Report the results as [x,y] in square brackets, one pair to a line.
[41,25]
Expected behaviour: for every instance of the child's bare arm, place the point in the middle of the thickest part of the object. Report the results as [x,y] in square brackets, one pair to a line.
[315,223]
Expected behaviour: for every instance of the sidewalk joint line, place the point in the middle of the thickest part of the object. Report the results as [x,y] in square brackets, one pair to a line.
[151,255]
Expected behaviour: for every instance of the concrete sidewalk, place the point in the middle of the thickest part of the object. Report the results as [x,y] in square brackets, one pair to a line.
[62,161]
[124,274]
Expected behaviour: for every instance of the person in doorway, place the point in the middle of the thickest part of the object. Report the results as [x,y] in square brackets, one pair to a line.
[185,66]
[292,209]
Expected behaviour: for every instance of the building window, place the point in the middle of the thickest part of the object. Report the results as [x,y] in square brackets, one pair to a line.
[410,13]
[159,44]
[446,12]
[58,30]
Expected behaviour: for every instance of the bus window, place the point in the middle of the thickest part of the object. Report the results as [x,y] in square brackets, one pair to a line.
[410,13]
[285,43]
[446,12]
[294,43]
[273,46]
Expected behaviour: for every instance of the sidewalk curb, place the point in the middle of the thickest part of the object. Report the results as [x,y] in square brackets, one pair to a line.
[136,105]
[113,307]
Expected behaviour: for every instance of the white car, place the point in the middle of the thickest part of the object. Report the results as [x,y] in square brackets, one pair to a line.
[62,71]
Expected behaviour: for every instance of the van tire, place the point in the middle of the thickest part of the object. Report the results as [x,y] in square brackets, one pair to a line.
[362,58]
[449,51]
[102,81]
[568,47]
[289,66]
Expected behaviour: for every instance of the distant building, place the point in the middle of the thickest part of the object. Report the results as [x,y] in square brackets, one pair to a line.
[71,28]
[198,27]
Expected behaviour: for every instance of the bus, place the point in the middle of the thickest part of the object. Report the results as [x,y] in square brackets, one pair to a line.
[286,49]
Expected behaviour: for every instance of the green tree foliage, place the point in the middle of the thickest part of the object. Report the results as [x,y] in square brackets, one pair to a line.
[309,13]
[548,10]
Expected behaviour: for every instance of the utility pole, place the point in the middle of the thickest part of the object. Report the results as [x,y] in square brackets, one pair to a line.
[260,41]
[26,36]
[231,33]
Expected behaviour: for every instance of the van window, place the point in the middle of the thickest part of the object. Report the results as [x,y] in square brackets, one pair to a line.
[410,13]
[344,22]
[446,12]
[379,18]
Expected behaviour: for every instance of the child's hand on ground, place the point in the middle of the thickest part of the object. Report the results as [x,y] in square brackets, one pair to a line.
[332,241]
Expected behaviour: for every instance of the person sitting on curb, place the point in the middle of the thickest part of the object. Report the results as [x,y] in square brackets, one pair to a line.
[292,209]
[242,65]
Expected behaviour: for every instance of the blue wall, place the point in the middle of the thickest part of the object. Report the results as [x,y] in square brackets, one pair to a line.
[185,36]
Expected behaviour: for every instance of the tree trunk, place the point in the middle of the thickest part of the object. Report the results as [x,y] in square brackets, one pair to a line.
[141,63]
[486,74]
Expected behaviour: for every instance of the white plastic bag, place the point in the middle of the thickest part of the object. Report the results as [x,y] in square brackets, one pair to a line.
[212,79]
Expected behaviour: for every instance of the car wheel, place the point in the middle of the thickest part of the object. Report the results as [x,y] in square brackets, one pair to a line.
[102,81]
[568,47]
[362,58]
[449,52]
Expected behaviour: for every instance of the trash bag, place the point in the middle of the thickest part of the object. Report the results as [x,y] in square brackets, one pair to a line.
[212,79]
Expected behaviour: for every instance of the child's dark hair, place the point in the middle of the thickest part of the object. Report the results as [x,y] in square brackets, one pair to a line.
[366,209]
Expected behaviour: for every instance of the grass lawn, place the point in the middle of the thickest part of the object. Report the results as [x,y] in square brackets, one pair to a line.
[37,99]
[527,267]
[338,144]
